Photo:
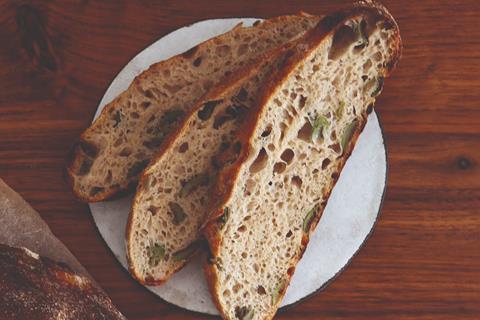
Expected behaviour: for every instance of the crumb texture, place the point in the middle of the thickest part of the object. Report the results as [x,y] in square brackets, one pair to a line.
[171,201]
[115,149]
[305,131]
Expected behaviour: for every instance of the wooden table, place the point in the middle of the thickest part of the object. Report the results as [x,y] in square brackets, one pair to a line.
[423,260]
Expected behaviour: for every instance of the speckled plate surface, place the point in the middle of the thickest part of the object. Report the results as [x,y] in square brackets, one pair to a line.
[348,219]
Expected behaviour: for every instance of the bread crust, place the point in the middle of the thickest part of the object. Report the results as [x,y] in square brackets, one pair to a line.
[35,287]
[224,187]
[75,156]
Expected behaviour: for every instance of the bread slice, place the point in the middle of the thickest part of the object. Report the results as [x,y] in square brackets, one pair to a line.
[35,287]
[171,200]
[268,202]
[114,150]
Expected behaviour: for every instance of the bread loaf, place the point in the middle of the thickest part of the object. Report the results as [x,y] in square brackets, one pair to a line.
[266,204]
[34,287]
[112,153]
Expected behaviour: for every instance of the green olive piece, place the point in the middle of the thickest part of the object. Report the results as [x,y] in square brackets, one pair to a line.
[348,133]
[155,253]
[318,125]
[278,290]
[178,214]
[194,182]
[307,221]
[339,111]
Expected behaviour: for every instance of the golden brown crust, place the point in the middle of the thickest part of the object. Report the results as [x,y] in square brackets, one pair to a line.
[224,187]
[34,287]
[73,162]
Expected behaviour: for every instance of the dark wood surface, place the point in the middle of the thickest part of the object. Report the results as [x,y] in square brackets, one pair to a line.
[423,260]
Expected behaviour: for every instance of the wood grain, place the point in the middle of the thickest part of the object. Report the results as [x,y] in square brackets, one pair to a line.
[422,262]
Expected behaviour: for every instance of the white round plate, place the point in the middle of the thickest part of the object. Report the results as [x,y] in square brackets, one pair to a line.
[346,222]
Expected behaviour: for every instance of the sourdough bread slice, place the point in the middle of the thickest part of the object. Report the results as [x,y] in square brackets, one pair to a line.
[114,150]
[171,200]
[268,202]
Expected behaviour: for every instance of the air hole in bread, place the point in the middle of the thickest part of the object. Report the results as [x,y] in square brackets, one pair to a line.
[134,115]
[271,147]
[244,255]
[283,129]
[242,228]
[333,135]
[279,167]
[125,152]
[315,171]
[148,93]
[237,288]
[378,57]
[146,104]
[287,155]
[301,102]
[267,131]
[297,182]
[197,62]
[226,293]
[153,182]
[325,163]
[260,162]
[183,147]
[261,290]
[305,133]
[335,147]
[289,234]
[342,40]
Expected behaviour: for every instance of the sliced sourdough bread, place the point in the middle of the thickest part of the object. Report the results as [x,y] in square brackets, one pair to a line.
[266,204]
[172,196]
[114,150]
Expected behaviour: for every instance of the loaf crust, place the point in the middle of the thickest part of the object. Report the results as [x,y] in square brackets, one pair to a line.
[34,287]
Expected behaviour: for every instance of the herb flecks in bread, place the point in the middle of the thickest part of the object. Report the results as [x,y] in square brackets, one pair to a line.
[177,183]
[291,158]
[117,147]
